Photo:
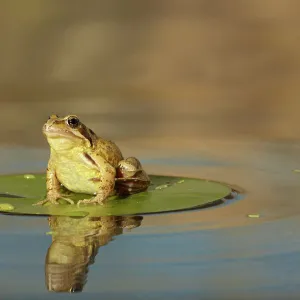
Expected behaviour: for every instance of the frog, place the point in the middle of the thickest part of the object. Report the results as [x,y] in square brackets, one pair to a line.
[82,162]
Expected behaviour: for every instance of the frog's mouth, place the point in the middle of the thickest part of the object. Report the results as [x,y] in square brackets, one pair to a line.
[58,131]
[55,133]
[60,140]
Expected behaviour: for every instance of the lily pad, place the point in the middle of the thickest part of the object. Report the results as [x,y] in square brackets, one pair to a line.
[165,194]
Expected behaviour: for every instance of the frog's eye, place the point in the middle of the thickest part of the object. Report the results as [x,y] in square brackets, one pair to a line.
[73,122]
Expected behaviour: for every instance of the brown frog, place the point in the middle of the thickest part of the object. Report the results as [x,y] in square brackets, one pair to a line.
[84,163]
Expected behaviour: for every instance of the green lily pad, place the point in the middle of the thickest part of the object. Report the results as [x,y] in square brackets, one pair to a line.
[165,194]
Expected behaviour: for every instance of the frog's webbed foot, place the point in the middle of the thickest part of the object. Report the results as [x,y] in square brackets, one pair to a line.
[54,200]
[129,186]
[42,202]
[88,201]
[95,200]
[98,199]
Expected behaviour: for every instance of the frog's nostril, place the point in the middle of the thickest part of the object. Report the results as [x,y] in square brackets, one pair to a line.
[46,126]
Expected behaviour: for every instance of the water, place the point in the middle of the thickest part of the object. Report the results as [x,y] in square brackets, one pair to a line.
[206,89]
[218,253]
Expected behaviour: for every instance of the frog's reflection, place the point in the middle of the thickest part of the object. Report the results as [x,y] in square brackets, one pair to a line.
[75,244]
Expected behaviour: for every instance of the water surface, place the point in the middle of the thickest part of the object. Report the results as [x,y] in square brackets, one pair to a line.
[188,254]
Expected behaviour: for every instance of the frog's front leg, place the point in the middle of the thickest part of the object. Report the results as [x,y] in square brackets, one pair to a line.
[53,188]
[105,183]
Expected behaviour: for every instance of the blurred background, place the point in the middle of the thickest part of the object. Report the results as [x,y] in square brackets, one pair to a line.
[163,71]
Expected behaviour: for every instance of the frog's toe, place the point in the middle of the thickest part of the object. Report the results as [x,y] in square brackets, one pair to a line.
[42,202]
[68,200]
[88,201]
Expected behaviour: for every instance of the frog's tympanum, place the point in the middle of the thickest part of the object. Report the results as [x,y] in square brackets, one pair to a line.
[75,244]
[82,162]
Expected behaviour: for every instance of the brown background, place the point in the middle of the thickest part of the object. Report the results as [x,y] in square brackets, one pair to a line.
[153,69]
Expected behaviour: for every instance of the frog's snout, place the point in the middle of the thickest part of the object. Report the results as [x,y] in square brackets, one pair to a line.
[46,127]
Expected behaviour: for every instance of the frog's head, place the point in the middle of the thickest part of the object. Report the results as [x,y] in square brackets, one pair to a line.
[67,132]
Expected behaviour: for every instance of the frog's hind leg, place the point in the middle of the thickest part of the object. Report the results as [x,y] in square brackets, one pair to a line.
[131,178]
